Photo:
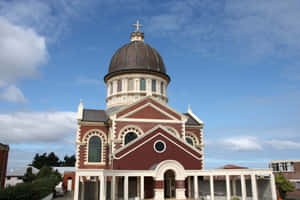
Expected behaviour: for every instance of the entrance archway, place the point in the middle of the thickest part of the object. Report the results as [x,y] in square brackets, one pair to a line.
[169,184]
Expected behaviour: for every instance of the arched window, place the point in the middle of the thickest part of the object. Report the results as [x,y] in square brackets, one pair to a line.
[189,140]
[130,137]
[153,85]
[130,85]
[111,87]
[162,87]
[119,85]
[95,146]
[142,84]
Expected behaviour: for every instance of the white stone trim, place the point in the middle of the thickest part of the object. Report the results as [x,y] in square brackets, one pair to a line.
[173,165]
[140,145]
[130,128]
[282,161]
[144,106]
[193,137]
[149,120]
[161,142]
[88,135]
[173,130]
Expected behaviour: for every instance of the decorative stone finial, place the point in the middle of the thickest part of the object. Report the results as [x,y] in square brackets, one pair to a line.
[137,35]
[80,110]
[189,108]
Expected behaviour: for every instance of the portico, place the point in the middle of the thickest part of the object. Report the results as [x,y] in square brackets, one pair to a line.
[158,175]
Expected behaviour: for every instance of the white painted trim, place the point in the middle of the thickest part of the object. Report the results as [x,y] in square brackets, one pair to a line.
[282,161]
[172,129]
[194,116]
[166,130]
[193,137]
[165,146]
[173,165]
[144,106]
[140,145]
[149,120]
[133,128]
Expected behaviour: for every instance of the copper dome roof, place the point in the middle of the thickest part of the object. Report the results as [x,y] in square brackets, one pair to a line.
[136,56]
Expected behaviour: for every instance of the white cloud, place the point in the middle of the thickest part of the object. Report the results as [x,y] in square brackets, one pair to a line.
[27,127]
[13,94]
[283,144]
[22,51]
[243,143]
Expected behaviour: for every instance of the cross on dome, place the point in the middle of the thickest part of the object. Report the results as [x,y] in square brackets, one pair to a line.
[137,25]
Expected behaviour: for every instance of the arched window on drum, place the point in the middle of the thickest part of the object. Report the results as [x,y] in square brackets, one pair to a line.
[95,147]
[129,137]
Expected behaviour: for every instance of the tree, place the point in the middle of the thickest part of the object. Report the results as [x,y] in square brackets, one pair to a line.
[69,161]
[283,185]
[41,160]
[29,176]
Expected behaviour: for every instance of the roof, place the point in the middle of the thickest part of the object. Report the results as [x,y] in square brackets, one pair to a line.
[62,170]
[4,147]
[20,172]
[191,121]
[136,56]
[91,115]
[233,167]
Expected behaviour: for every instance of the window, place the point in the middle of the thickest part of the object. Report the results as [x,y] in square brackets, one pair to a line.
[162,88]
[142,84]
[159,146]
[297,185]
[130,85]
[94,149]
[189,140]
[119,85]
[130,137]
[111,87]
[283,167]
[153,85]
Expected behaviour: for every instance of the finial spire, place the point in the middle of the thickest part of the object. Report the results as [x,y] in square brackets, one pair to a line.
[137,25]
[137,35]
[189,108]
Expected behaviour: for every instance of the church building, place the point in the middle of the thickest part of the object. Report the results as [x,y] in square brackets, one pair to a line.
[141,148]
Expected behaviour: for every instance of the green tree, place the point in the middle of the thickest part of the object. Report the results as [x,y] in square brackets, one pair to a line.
[29,176]
[41,160]
[283,185]
[69,161]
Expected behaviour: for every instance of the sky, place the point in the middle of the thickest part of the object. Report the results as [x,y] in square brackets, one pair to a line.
[235,62]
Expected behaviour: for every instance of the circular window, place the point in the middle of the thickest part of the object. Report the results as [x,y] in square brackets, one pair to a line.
[159,146]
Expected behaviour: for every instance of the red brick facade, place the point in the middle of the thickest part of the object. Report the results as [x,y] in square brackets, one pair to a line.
[3,163]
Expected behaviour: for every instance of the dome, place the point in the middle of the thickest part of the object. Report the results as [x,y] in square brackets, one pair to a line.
[136,56]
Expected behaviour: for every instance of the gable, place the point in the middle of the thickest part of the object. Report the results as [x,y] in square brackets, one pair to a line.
[129,157]
[149,109]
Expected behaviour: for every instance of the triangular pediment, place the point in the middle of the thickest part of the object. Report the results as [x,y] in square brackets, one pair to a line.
[160,133]
[150,109]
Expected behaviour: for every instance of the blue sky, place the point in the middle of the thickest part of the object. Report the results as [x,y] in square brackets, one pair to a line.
[236,62]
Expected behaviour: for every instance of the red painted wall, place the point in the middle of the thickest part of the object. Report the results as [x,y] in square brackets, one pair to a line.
[145,157]
[3,165]
[65,180]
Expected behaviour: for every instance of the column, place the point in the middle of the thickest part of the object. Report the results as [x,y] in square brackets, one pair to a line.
[189,187]
[254,187]
[212,189]
[180,189]
[273,186]
[76,192]
[102,195]
[234,186]
[142,187]
[228,187]
[82,191]
[113,188]
[125,187]
[243,186]
[159,189]
[196,193]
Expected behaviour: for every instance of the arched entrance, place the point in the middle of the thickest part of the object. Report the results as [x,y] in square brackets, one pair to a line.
[169,184]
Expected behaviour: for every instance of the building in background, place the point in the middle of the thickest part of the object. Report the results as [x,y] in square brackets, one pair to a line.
[15,176]
[141,148]
[291,170]
[3,163]
[68,177]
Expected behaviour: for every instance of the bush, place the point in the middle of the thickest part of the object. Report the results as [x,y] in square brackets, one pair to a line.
[235,198]
[35,190]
